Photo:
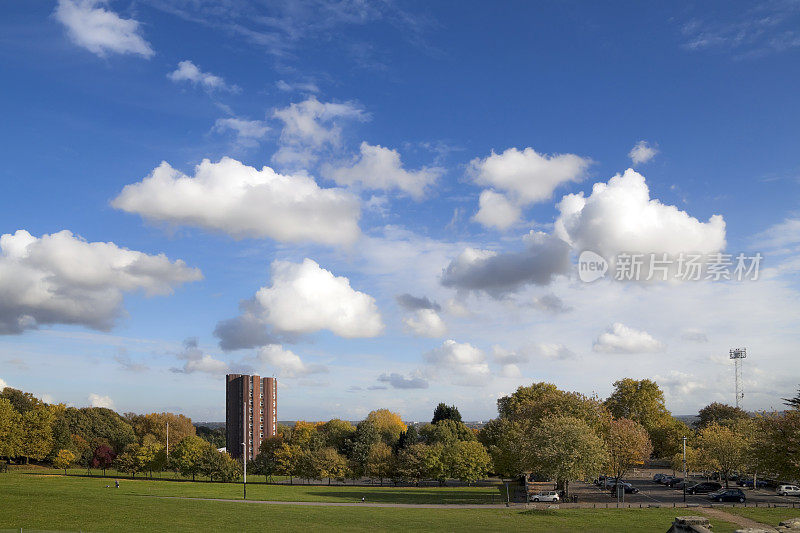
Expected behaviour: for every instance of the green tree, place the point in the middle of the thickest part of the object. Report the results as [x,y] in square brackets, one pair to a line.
[628,445]
[286,460]
[544,400]
[436,466]
[667,437]
[639,400]
[411,463]
[187,455]
[152,454]
[380,461]
[100,425]
[22,401]
[365,437]
[720,413]
[794,402]
[445,412]
[63,459]
[337,433]
[468,461]
[215,436]
[407,438]
[10,429]
[778,446]
[265,464]
[330,464]
[565,449]
[37,434]
[129,461]
[504,439]
[446,432]
[723,449]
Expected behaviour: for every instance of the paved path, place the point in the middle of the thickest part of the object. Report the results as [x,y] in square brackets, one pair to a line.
[719,514]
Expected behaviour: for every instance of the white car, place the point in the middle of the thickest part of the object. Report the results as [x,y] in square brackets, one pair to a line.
[545,496]
[788,490]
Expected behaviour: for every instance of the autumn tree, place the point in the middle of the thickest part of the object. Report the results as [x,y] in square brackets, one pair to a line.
[330,464]
[63,459]
[337,433]
[388,424]
[445,412]
[467,461]
[37,435]
[779,443]
[411,463]
[380,461]
[103,457]
[667,437]
[366,436]
[286,460]
[723,448]
[22,401]
[538,401]
[720,413]
[10,429]
[446,432]
[265,464]
[628,445]
[186,455]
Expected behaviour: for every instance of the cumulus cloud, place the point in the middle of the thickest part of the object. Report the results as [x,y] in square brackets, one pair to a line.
[124,360]
[248,132]
[551,351]
[463,363]
[287,363]
[380,168]
[309,126]
[642,153]
[305,298]
[496,210]
[619,216]
[100,30]
[188,71]
[525,177]
[242,201]
[96,400]
[198,361]
[62,279]
[243,331]
[543,258]
[620,338]
[414,303]
[425,323]
[398,381]
[3,384]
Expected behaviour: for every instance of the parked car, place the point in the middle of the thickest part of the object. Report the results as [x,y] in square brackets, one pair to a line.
[666,479]
[704,487]
[788,490]
[605,481]
[760,483]
[627,487]
[674,481]
[728,495]
[545,496]
[658,477]
[682,484]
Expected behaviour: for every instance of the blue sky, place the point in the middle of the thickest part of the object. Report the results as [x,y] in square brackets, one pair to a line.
[412,149]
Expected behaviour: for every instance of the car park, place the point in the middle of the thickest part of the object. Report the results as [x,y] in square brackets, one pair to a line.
[666,479]
[760,483]
[545,496]
[627,487]
[674,481]
[788,490]
[728,495]
[704,487]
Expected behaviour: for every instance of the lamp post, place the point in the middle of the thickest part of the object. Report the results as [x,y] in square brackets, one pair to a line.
[685,481]
[244,461]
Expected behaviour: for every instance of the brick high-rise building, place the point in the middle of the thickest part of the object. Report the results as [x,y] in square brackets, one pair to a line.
[251,413]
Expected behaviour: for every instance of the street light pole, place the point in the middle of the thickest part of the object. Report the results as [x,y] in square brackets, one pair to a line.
[685,481]
[244,460]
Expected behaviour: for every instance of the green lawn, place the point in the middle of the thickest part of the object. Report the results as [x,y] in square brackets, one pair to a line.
[72,503]
[771,516]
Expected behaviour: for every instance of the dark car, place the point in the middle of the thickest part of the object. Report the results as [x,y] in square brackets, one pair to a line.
[658,477]
[704,487]
[666,479]
[627,487]
[760,483]
[728,495]
[682,484]
[674,481]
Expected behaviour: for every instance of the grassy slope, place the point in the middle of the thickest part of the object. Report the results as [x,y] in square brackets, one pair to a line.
[56,502]
[765,516]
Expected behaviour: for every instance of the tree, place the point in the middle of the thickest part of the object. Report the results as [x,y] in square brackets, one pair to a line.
[504,439]
[37,434]
[98,424]
[103,457]
[63,459]
[330,464]
[445,412]
[435,464]
[411,463]
[365,437]
[639,400]
[565,449]
[305,435]
[265,464]
[446,432]
[723,448]
[380,461]
[128,461]
[215,436]
[22,401]
[407,438]
[544,400]
[337,433]
[152,454]
[10,429]
[628,445]
[187,455]
[720,413]
[667,437]
[694,460]
[779,443]
[155,424]
[793,403]
[388,424]
[468,461]
[286,460]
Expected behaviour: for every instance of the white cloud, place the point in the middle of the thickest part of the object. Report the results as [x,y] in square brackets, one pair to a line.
[62,279]
[552,351]
[306,87]
[198,361]
[620,338]
[398,381]
[188,71]
[99,30]
[381,168]
[694,335]
[496,211]
[288,363]
[242,201]
[305,298]
[426,323]
[3,384]
[642,153]
[95,400]
[463,363]
[526,176]
[619,216]
[543,258]
[309,126]
[679,384]
[248,132]
[783,234]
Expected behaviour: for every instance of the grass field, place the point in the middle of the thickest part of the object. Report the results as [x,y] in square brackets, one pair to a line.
[72,503]
[772,517]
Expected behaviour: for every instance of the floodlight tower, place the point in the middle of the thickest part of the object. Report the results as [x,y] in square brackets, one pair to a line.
[737,354]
